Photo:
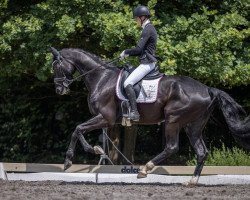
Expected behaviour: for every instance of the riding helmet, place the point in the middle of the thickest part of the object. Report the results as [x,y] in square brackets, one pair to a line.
[141,11]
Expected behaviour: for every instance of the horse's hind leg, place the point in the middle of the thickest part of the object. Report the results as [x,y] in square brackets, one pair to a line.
[172,146]
[194,132]
[94,123]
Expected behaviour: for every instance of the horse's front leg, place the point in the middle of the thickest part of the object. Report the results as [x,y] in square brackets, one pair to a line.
[94,123]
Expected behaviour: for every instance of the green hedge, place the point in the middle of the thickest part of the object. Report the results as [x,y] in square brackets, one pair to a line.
[226,157]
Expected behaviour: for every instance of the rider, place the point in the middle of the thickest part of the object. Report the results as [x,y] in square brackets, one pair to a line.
[145,50]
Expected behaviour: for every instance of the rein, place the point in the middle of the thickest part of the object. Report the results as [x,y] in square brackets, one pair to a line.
[70,81]
[84,74]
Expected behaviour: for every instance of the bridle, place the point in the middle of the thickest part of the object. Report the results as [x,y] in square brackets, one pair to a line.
[65,82]
[62,81]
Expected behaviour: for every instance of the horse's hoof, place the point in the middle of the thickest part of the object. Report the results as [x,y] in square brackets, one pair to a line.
[98,150]
[67,164]
[193,182]
[188,184]
[141,175]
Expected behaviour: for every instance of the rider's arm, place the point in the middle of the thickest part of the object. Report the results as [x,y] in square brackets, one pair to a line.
[140,46]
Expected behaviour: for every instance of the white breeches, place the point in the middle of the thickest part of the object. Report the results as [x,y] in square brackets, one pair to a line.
[141,71]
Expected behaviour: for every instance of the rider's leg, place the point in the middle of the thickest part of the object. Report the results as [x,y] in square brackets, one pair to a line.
[141,71]
[134,114]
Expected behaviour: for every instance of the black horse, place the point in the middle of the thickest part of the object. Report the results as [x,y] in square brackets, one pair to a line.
[182,102]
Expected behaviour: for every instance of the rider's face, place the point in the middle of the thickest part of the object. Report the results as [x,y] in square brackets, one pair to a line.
[138,21]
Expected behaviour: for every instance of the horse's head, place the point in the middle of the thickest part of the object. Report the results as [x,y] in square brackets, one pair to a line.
[63,71]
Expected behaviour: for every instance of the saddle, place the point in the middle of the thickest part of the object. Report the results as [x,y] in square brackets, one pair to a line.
[146,90]
[128,69]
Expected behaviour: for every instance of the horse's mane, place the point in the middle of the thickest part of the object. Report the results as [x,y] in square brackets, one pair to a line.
[94,57]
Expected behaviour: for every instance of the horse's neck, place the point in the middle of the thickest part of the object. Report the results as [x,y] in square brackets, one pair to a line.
[94,80]
[97,76]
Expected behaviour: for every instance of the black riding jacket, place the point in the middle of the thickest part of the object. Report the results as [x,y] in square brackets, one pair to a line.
[146,47]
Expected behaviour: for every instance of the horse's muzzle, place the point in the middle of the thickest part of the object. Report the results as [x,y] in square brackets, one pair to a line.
[58,91]
[62,90]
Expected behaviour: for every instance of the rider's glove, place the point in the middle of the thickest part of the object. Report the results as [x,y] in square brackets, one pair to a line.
[123,55]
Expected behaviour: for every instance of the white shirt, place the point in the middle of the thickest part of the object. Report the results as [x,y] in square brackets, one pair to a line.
[145,23]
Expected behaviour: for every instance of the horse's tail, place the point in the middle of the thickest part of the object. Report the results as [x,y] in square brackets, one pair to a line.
[233,113]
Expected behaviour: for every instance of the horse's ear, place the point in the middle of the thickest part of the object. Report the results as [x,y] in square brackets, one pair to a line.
[55,52]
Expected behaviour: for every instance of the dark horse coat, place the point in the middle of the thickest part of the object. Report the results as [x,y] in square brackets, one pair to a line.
[182,102]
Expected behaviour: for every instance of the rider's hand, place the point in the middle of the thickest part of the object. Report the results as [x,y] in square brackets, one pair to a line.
[123,55]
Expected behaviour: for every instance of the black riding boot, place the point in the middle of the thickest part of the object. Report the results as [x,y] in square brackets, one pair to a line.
[134,114]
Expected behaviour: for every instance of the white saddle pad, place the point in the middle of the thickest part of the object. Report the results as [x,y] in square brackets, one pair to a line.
[150,87]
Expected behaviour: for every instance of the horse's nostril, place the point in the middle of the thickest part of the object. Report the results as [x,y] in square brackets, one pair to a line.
[57,90]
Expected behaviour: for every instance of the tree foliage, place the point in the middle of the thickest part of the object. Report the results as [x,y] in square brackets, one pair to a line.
[208,46]
[206,40]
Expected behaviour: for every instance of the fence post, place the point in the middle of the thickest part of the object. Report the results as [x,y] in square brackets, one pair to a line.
[2,172]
